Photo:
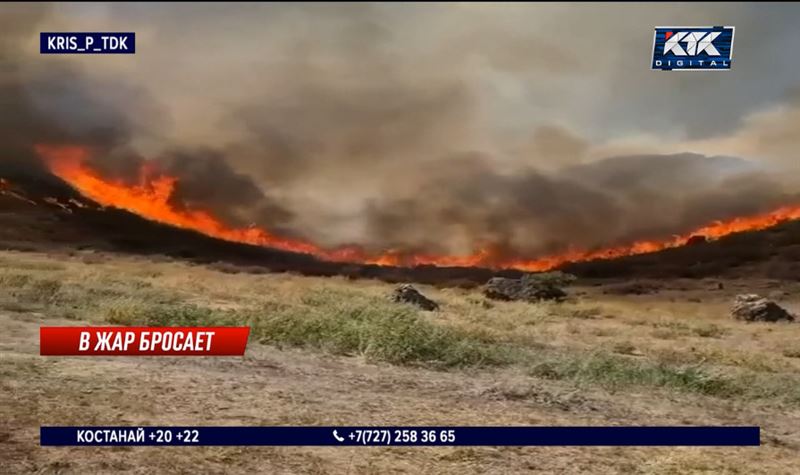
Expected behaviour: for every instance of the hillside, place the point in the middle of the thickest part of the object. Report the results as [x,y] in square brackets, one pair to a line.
[38,211]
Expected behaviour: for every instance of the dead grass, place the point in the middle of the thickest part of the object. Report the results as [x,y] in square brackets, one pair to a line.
[615,373]
[597,350]
[792,353]
[569,341]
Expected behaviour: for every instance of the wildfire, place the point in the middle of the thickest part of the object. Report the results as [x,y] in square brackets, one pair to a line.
[150,198]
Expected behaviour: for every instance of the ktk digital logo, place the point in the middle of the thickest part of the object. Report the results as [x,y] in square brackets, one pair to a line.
[693,48]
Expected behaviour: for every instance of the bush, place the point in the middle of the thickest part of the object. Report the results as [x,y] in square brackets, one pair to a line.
[616,372]
[378,331]
[373,328]
[30,289]
[125,312]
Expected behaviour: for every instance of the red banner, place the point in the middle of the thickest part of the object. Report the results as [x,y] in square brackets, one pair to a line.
[143,341]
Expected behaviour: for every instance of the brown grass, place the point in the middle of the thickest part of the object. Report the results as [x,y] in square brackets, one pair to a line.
[335,350]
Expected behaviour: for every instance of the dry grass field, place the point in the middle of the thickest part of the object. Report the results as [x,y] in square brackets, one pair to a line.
[337,351]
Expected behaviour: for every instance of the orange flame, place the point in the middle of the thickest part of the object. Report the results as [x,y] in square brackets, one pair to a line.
[150,198]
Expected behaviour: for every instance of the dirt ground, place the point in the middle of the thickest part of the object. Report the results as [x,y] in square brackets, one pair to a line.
[682,323]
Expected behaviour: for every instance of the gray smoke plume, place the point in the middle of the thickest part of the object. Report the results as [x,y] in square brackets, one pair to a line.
[419,128]
[54,102]
[22,123]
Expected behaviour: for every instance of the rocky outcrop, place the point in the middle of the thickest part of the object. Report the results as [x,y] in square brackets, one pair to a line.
[528,288]
[755,308]
[406,293]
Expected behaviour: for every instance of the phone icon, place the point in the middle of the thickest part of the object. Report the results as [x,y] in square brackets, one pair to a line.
[336,436]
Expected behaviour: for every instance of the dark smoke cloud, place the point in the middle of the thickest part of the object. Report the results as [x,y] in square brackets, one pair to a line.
[207,181]
[397,126]
[20,122]
[53,102]
[608,202]
[49,102]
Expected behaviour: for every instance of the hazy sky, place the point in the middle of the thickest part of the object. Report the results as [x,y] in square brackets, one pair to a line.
[584,67]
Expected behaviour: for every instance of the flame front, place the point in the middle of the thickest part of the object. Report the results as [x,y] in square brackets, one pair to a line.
[150,198]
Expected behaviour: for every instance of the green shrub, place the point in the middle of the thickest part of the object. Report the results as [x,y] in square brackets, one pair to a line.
[176,315]
[378,331]
[618,372]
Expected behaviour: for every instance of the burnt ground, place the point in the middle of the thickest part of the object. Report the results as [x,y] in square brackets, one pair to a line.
[39,212]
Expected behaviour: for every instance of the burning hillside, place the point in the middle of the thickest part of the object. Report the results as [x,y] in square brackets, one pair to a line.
[349,155]
[152,198]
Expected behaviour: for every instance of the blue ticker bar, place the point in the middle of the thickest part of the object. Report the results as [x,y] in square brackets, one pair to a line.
[401,436]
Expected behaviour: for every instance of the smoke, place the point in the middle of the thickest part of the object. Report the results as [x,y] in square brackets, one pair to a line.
[54,102]
[20,122]
[611,201]
[419,128]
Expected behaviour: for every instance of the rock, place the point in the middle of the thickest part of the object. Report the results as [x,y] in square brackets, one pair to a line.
[502,288]
[529,288]
[406,293]
[754,308]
